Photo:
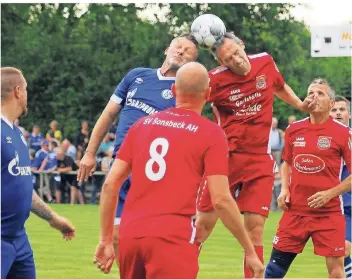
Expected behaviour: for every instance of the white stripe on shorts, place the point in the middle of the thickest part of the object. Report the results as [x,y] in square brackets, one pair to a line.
[117,221]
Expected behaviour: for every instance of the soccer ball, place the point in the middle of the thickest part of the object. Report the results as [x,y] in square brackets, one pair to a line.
[207,29]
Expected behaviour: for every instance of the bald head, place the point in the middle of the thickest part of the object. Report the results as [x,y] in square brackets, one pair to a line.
[192,79]
[10,79]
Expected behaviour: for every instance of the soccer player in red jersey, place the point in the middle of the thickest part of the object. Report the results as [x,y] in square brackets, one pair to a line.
[315,150]
[242,97]
[169,153]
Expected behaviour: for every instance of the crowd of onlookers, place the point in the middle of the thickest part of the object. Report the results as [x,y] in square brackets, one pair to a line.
[276,141]
[55,158]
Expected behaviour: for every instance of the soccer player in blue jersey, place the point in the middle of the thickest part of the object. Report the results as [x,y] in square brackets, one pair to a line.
[142,92]
[17,196]
[341,112]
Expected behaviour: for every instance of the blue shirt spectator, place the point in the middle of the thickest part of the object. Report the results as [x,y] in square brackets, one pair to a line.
[35,138]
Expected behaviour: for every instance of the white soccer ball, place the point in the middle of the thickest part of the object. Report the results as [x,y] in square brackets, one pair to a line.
[207,29]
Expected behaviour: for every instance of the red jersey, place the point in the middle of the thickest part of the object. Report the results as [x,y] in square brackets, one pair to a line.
[316,154]
[169,151]
[243,105]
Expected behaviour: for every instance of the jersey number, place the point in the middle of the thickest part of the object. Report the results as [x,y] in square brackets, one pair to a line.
[157,158]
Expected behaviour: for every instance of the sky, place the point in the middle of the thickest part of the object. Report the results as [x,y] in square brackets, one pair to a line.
[325,12]
[312,12]
[315,12]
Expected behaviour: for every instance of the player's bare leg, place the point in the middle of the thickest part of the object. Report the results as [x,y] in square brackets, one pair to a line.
[79,196]
[58,196]
[347,260]
[116,243]
[73,195]
[254,224]
[347,263]
[205,223]
[335,267]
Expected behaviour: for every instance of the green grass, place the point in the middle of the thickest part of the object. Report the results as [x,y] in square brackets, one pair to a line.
[221,256]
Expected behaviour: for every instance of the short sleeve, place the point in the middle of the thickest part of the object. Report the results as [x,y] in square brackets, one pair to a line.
[216,156]
[287,153]
[120,93]
[279,81]
[346,149]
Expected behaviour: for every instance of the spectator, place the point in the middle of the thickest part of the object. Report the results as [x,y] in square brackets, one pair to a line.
[69,148]
[40,165]
[276,141]
[105,145]
[54,133]
[112,130]
[276,192]
[35,138]
[65,164]
[291,119]
[83,135]
[34,175]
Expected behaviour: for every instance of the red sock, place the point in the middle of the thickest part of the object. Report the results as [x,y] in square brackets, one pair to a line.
[260,253]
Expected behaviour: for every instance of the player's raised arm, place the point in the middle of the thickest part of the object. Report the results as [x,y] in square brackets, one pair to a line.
[99,131]
[286,94]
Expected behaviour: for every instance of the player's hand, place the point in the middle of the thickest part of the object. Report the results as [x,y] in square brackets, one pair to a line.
[255,265]
[104,256]
[309,104]
[319,199]
[86,167]
[64,226]
[283,200]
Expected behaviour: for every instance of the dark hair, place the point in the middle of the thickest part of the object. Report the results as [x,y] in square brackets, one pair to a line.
[339,98]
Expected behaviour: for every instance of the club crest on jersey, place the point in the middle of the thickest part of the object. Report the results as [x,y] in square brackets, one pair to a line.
[166,94]
[261,82]
[8,140]
[324,142]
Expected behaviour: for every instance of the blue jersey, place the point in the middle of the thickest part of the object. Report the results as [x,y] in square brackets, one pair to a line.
[346,196]
[40,156]
[52,160]
[16,181]
[142,92]
[35,141]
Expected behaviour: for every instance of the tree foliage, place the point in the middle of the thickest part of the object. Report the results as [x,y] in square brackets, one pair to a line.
[73,55]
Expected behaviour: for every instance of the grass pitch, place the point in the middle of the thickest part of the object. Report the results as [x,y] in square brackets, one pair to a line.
[221,256]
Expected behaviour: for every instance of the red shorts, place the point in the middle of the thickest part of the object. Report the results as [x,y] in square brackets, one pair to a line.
[251,179]
[327,233]
[157,258]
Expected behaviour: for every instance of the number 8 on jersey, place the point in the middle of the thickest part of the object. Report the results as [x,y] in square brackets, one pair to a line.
[157,158]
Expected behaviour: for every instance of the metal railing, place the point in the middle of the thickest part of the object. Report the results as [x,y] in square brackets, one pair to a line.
[41,177]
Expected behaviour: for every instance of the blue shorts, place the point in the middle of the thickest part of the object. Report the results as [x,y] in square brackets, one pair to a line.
[122,197]
[347,214]
[17,260]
